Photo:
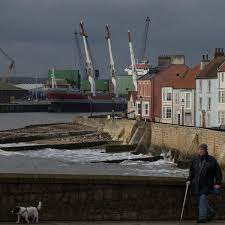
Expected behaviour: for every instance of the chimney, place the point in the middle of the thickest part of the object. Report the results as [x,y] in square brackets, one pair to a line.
[218,52]
[205,61]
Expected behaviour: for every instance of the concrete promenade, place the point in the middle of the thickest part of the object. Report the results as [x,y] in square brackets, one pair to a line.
[122,223]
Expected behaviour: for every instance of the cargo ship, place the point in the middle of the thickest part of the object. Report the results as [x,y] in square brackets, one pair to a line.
[75,98]
[67,98]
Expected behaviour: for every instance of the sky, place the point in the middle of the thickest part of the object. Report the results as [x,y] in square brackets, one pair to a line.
[38,34]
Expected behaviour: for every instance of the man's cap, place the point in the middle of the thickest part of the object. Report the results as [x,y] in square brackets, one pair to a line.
[204,147]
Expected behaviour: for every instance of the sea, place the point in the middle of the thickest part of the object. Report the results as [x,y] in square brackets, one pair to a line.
[77,161]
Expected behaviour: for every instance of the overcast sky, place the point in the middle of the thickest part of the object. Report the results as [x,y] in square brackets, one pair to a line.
[38,34]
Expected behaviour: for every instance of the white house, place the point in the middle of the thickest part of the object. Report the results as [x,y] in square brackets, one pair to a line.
[167,105]
[221,95]
[209,92]
[178,100]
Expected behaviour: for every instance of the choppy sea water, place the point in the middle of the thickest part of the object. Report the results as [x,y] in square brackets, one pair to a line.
[80,162]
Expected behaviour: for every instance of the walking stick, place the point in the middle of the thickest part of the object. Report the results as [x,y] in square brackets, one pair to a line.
[185,197]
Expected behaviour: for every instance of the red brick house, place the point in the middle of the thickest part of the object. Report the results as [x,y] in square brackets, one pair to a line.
[149,96]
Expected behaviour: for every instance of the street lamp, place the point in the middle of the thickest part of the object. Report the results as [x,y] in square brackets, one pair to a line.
[182,104]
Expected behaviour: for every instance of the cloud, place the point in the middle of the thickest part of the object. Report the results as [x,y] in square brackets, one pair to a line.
[39,34]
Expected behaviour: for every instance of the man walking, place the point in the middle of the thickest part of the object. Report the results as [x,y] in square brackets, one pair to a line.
[205,178]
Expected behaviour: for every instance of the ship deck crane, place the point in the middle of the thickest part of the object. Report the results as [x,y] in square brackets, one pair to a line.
[5,78]
[143,58]
[133,63]
[112,64]
[90,70]
[81,64]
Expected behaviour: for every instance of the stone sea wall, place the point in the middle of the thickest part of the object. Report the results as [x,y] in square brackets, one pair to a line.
[183,139]
[67,197]
[120,130]
[187,139]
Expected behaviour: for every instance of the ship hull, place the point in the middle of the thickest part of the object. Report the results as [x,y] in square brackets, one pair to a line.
[87,107]
[78,102]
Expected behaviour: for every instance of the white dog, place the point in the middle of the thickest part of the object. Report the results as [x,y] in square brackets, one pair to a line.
[27,213]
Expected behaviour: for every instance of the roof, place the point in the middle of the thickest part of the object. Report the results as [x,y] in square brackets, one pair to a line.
[152,72]
[210,70]
[222,67]
[8,87]
[170,73]
[187,79]
[30,87]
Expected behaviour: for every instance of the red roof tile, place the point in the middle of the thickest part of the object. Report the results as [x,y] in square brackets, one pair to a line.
[210,71]
[186,80]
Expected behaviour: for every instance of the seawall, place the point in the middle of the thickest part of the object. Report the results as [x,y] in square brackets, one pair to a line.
[68,197]
[120,130]
[184,140]
[187,139]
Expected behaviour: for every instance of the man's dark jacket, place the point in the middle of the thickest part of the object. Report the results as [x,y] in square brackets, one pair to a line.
[204,173]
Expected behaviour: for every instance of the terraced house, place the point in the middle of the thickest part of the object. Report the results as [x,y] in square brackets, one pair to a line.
[210,91]
[178,99]
[149,97]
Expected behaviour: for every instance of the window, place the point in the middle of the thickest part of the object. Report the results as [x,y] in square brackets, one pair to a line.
[221,96]
[222,77]
[146,109]
[177,99]
[164,94]
[200,85]
[188,101]
[167,112]
[221,117]
[169,96]
[208,120]
[200,103]
[209,86]
[209,104]
[138,108]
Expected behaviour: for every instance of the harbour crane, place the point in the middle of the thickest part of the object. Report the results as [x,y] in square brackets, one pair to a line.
[133,64]
[112,64]
[80,60]
[90,70]
[143,57]
[5,78]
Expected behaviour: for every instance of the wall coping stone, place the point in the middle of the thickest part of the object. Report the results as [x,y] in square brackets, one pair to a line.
[95,179]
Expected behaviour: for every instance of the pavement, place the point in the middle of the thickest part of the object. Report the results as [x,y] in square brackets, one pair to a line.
[120,223]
